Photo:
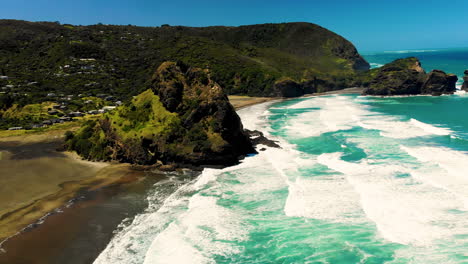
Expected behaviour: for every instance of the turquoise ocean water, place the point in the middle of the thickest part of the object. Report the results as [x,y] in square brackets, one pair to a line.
[453,60]
[357,180]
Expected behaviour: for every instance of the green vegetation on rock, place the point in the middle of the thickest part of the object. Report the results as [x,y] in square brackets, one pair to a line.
[185,117]
[407,77]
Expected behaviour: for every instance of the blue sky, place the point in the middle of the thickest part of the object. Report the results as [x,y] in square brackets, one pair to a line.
[370,25]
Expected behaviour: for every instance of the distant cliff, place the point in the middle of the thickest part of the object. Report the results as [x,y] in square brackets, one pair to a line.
[407,77]
[117,60]
[185,118]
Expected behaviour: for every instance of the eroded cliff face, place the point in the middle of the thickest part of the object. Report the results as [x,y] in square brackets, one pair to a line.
[184,117]
[407,77]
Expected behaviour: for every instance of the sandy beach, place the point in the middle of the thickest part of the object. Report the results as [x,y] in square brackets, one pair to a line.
[240,101]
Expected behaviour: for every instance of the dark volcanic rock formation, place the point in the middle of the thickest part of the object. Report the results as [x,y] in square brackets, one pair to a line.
[438,82]
[258,138]
[184,117]
[465,81]
[403,76]
[407,77]
[288,88]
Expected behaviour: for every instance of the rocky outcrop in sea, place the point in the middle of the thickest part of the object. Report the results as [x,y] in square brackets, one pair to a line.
[407,77]
[465,81]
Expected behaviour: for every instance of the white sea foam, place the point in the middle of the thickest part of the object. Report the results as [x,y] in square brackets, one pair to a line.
[187,227]
[130,244]
[410,51]
[342,113]
[451,174]
[254,117]
[375,65]
[393,128]
[206,229]
[192,225]
[430,128]
[330,198]
[404,211]
[460,92]
[203,230]
[334,114]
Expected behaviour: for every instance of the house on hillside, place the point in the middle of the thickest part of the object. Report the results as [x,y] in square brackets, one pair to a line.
[75,114]
[56,121]
[108,108]
[66,118]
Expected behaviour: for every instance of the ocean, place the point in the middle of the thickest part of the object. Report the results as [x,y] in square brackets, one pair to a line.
[357,180]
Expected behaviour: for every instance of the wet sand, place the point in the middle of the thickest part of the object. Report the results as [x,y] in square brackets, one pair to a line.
[35,179]
[240,101]
[58,208]
[78,232]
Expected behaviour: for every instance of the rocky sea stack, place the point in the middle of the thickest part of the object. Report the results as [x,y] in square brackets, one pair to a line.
[183,118]
[465,81]
[407,77]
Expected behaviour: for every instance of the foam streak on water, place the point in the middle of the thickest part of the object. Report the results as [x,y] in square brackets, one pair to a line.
[351,183]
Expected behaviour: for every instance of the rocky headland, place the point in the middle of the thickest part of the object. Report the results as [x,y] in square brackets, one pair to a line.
[407,77]
[183,118]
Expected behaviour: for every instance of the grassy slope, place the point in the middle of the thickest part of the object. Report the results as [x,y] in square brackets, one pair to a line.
[143,118]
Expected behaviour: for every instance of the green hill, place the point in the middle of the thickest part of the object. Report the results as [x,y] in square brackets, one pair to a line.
[46,57]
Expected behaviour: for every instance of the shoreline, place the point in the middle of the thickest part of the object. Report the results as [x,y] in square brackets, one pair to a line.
[33,213]
[241,101]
